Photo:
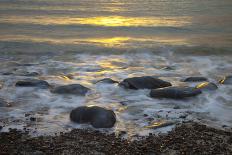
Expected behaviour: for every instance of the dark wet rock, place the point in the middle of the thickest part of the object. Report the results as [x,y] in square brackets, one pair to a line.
[183,116]
[122,133]
[33,119]
[175,92]
[31,74]
[195,79]
[145,115]
[27,114]
[207,86]
[5,103]
[7,73]
[176,107]
[145,82]
[22,74]
[169,68]
[98,117]
[73,89]
[1,128]
[226,80]
[107,80]
[32,83]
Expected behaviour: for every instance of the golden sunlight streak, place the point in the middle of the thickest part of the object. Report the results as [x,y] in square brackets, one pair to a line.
[109,21]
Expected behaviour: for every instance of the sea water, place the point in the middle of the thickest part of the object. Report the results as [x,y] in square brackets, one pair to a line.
[95,39]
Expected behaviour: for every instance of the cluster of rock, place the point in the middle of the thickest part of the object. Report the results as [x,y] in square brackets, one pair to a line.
[100,117]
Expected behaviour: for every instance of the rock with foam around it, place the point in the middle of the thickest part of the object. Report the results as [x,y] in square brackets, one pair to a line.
[207,86]
[98,117]
[32,83]
[72,89]
[145,82]
[175,92]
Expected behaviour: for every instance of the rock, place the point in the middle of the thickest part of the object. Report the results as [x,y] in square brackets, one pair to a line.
[33,119]
[207,86]
[176,107]
[175,92]
[226,80]
[74,89]
[159,124]
[32,83]
[145,82]
[107,80]
[4,103]
[22,73]
[195,79]
[1,128]
[98,117]
[30,74]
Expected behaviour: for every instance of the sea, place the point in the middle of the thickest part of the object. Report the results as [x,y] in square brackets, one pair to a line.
[83,41]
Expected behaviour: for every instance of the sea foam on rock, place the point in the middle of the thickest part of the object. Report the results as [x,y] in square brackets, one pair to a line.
[144,82]
[226,80]
[73,89]
[32,83]
[98,117]
[175,92]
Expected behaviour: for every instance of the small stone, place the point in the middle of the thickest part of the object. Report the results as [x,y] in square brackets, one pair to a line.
[176,107]
[145,115]
[27,114]
[226,80]
[183,116]
[32,119]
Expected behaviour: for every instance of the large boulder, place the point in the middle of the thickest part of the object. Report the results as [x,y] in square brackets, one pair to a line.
[207,86]
[98,117]
[175,92]
[226,80]
[73,89]
[195,79]
[145,82]
[32,83]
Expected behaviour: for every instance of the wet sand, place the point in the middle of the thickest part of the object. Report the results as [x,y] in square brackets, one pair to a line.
[187,138]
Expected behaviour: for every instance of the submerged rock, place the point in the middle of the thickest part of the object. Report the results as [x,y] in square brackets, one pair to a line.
[226,80]
[32,83]
[195,79]
[145,82]
[98,117]
[175,92]
[22,73]
[107,80]
[207,86]
[4,103]
[74,89]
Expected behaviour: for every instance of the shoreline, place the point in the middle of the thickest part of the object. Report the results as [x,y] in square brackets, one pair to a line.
[185,138]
